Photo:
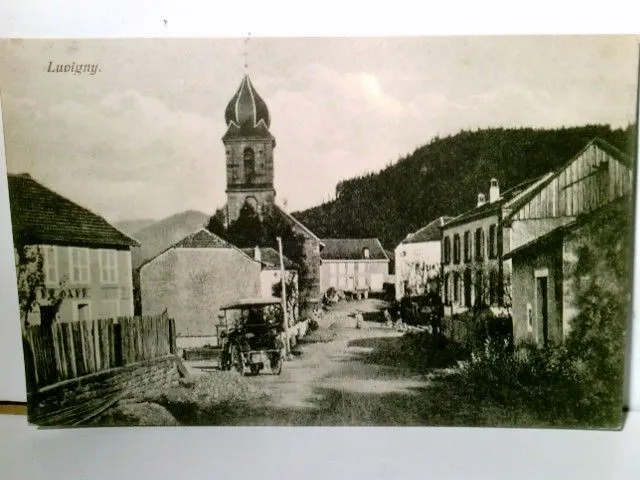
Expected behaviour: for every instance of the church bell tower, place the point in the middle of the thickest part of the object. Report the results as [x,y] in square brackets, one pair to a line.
[249,152]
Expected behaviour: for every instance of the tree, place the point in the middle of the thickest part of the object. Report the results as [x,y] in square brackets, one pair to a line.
[250,230]
[216,224]
[32,290]
[247,230]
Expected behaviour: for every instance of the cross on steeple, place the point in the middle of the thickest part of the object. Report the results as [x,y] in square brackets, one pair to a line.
[246,53]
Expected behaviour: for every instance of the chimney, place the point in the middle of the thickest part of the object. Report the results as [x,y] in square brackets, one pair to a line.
[257,255]
[481,199]
[494,191]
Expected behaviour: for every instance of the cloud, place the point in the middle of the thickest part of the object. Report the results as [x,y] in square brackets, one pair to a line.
[126,155]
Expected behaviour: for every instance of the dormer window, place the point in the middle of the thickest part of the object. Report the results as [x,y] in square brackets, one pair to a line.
[366,253]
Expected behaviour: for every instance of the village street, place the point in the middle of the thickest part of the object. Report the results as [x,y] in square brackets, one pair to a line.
[331,380]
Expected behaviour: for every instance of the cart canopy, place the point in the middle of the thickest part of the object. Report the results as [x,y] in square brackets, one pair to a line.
[252,302]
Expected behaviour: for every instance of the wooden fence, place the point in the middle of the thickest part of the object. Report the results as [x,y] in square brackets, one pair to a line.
[73,349]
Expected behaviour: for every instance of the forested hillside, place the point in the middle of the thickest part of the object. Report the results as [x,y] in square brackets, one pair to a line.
[445,176]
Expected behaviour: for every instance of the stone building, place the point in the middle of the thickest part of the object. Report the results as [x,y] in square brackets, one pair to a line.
[86,262]
[192,279]
[353,265]
[418,259]
[249,152]
[546,229]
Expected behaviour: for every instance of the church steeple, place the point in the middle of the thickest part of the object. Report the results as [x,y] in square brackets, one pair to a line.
[249,151]
[247,110]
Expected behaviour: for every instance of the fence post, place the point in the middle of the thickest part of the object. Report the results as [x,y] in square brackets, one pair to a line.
[172,336]
[118,350]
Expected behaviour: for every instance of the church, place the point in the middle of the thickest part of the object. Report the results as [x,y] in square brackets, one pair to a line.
[249,152]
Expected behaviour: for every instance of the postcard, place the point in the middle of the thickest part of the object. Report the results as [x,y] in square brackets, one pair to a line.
[424,231]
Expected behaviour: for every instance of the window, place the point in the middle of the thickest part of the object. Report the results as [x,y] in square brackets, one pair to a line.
[249,164]
[366,253]
[456,248]
[341,268]
[479,288]
[108,266]
[350,268]
[79,268]
[467,246]
[529,317]
[479,244]
[447,295]
[50,264]
[493,244]
[456,287]
[467,285]
[447,250]
[362,267]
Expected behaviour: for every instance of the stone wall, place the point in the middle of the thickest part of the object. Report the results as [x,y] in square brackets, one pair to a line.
[192,285]
[72,402]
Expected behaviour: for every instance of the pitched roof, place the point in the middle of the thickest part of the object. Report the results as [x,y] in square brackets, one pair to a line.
[491,208]
[597,215]
[543,181]
[203,238]
[429,233]
[352,249]
[297,222]
[41,216]
[270,259]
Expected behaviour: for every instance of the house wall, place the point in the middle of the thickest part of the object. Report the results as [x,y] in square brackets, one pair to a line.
[541,262]
[350,275]
[407,255]
[525,231]
[192,284]
[103,299]
[450,269]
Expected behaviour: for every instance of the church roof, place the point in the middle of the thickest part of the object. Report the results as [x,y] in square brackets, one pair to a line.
[247,110]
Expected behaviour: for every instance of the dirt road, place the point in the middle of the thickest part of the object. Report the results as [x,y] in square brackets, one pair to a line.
[335,382]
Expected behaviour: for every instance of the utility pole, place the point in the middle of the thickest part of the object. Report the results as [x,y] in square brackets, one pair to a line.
[284,301]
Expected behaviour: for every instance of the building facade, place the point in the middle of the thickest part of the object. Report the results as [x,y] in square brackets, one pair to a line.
[192,279]
[353,265]
[271,273]
[418,259]
[546,229]
[85,262]
[473,247]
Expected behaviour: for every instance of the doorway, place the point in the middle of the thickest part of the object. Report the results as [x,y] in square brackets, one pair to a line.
[542,307]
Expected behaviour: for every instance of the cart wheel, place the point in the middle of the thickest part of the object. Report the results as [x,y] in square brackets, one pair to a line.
[276,364]
[255,369]
[237,360]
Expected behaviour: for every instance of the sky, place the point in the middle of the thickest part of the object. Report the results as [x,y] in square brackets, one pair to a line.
[141,138]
